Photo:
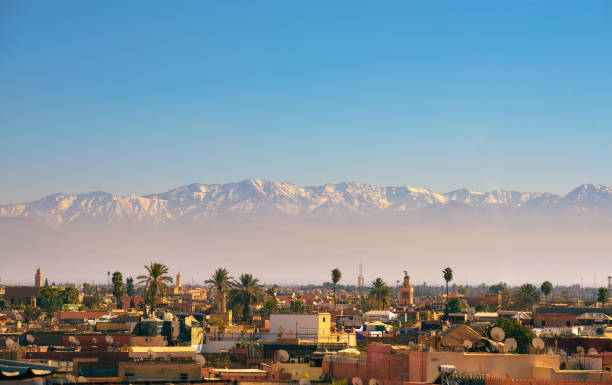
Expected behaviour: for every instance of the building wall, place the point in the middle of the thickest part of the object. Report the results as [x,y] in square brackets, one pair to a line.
[554,320]
[390,367]
[493,364]
[303,325]
[159,371]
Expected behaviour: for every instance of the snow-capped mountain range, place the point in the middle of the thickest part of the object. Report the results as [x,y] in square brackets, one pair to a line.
[202,202]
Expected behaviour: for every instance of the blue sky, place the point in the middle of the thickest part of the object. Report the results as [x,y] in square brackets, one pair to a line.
[141,97]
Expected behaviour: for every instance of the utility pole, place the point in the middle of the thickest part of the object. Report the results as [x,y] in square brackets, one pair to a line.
[609,283]
[108,282]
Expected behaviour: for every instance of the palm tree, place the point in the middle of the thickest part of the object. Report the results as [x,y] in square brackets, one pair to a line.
[526,296]
[155,281]
[448,276]
[221,281]
[380,291]
[118,288]
[603,295]
[546,288]
[246,291]
[336,275]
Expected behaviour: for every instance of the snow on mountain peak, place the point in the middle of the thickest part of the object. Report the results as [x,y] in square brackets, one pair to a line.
[200,202]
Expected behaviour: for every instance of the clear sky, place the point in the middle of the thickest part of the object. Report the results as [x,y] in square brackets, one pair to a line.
[141,97]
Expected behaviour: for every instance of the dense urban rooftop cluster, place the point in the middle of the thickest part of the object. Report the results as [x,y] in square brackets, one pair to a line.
[154,328]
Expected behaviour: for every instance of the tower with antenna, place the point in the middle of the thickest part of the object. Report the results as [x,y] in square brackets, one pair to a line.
[360,280]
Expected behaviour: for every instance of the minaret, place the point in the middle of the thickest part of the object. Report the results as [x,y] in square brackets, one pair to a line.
[38,278]
[179,281]
[407,291]
[360,280]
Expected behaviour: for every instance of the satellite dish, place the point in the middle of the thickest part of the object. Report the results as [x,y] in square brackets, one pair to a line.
[30,338]
[580,350]
[200,359]
[71,378]
[281,331]
[304,381]
[510,344]
[497,334]
[9,343]
[94,340]
[561,352]
[109,340]
[592,351]
[282,355]
[291,332]
[356,381]
[467,344]
[76,342]
[537,343]
[296,373]
[373,381]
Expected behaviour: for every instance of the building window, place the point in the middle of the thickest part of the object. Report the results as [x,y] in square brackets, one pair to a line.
[323,319]
[569,323]
[543,323]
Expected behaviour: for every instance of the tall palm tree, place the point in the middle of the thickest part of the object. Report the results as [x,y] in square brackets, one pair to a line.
[603,294]
[546,288]
[448,276]
[336,275]
[380,291]
[246,291]
[155,281]
[221,281]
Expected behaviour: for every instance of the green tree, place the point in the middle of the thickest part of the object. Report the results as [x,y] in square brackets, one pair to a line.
[246,292]
[271,291]
[30,314]
[155,282]
[94,301]
[129,287]
[453,306]
[497,289]
[380,292]
[119,289]
[270,306]
[221,280]
[336,276]
[297,306]
[70,295]
[546,288]
[514,329]
[525,297]
[447,274]
[463,290]
[482,307]
[132,303]
[50,300]
[603,295]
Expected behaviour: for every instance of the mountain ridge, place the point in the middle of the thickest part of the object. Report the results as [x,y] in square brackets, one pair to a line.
[251,197]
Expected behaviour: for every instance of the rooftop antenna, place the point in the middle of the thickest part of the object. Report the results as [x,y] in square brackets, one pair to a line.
[609,283]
